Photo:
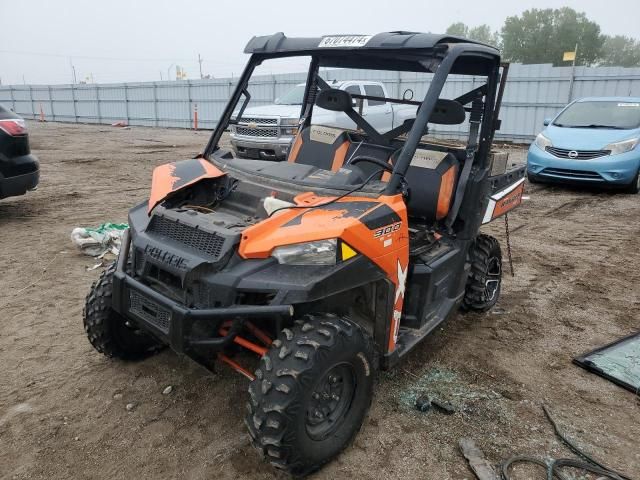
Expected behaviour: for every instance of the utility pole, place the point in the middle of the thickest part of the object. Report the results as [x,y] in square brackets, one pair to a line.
[573,72]
[73,69]
[200,62]
[160,75]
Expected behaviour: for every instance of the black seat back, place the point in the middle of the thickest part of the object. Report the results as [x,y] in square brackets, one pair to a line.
[432,177]
[320,146]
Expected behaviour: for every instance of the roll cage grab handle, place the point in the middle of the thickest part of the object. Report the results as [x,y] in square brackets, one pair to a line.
[415,135]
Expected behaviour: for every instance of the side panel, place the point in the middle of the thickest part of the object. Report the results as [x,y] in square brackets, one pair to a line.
[376,228]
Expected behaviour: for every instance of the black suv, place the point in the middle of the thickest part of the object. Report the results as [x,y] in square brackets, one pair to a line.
[19,170]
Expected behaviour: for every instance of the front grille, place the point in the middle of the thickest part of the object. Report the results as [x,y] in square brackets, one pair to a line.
[577,154]
[259,121]
[149,311]
[577,174]
[209,243]
[138,260]
[257,132]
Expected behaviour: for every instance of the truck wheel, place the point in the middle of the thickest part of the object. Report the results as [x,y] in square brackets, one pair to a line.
[109,332]
[485,277]
[311,393]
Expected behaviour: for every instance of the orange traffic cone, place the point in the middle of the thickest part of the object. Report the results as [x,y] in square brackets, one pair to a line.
[195,116]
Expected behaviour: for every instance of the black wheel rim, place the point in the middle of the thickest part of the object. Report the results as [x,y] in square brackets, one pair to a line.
[494,275]
[330,401]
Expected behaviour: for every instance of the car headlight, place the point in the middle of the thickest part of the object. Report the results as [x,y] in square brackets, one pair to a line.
[289,121]
[542,142]
[320,252]
[622,147]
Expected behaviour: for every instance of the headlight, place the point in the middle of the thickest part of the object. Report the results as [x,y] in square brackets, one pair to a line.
[289,121]
[290,131]
[622,147]
[542,142]
[321,252]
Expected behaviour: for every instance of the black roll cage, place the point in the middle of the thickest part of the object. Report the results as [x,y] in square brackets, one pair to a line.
[439,60]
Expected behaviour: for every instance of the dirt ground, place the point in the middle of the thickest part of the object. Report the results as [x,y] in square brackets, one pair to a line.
[63,408]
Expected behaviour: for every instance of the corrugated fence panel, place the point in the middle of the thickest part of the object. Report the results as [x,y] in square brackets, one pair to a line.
[533,93]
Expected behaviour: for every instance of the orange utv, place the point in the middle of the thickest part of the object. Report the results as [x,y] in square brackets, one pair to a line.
[333,264]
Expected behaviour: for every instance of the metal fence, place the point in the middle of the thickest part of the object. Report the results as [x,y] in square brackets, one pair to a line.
[533,92]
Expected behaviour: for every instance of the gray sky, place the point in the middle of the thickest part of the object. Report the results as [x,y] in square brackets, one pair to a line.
[120,40]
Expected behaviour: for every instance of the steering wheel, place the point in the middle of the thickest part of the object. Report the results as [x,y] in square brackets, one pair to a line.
[376,161]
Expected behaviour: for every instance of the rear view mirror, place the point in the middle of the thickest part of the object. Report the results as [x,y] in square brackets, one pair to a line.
[546,122]
[408,94]
[335,100]
[447,112]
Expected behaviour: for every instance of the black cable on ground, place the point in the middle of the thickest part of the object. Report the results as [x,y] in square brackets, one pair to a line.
[506,465]
[574,448]
[553,467]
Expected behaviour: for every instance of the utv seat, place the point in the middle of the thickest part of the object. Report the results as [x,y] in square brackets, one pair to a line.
[321,147]
[432,178]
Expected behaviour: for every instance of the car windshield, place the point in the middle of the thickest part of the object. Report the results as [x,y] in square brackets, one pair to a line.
[292,97]
[600,114]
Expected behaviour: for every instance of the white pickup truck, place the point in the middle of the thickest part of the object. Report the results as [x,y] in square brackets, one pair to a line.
[266,132]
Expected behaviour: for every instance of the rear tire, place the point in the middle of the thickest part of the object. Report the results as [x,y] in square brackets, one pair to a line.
[485,277]
[311,393]
[109,332]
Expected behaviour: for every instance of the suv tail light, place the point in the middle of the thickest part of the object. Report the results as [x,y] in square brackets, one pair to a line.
[13,126]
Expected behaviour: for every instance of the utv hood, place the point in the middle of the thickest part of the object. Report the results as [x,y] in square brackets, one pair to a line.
[172,177]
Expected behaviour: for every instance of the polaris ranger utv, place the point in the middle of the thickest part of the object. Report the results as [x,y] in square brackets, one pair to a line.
[330,265]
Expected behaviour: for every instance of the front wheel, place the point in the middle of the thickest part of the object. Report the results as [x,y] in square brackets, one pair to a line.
[109,332]
[311,393]
[485,277]
[634,186]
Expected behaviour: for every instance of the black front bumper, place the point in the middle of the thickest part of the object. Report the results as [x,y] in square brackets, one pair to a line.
[174,324]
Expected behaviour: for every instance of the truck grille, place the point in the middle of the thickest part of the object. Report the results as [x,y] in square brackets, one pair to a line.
[149,311]
[209,243]
[257,132]
[259,121]
[578,154]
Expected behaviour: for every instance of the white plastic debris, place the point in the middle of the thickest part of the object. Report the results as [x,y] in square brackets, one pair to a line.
[271,204]
[96,242]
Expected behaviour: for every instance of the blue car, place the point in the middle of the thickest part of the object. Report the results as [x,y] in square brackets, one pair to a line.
[591,141]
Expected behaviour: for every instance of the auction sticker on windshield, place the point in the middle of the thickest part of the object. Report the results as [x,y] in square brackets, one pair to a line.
[344,41]
[629,104]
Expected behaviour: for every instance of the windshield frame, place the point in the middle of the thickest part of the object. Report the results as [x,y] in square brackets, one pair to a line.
[441,61]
